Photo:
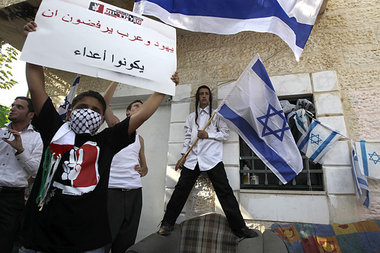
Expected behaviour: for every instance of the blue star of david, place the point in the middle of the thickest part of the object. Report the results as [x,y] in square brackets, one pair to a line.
[264,120]
[314,139]
[372,159]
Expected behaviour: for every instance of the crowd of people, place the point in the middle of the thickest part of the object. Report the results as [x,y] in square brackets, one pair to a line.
[87,191]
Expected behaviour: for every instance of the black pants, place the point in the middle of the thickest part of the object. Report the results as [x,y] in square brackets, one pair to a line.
[12,205]
[218,178]
[124,210]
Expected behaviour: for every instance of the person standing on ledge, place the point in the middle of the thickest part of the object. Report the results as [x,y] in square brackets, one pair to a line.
[206,155]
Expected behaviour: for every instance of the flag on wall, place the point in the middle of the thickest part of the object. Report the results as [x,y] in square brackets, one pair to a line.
[317,141]
[254,112]
[63,108]
[361,183]
[369,158]
[291,20]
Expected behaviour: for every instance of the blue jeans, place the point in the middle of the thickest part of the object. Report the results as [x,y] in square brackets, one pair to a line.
[23,250]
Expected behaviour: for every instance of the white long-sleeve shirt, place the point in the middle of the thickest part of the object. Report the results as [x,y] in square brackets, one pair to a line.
[206,152]
[15,170]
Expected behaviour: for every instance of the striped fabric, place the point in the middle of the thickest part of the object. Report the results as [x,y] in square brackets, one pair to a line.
[207,234]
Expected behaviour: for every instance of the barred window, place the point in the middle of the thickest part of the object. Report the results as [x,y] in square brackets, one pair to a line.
[255,175]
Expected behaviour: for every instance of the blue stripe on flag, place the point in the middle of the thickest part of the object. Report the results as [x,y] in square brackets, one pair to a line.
[237,9]
[277,162]
[324,145]
[362,181]
[306,139]
[364,157]
[260,70]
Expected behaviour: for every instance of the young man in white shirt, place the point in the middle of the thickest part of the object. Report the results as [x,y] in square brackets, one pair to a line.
[20,157]
[124,197]
[206,155]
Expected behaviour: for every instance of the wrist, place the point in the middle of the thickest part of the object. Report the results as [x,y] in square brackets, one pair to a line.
[19,151]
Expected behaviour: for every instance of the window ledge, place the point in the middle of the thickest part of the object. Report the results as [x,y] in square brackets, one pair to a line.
[281,192]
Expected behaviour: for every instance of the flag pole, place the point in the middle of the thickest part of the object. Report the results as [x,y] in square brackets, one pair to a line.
[196,140]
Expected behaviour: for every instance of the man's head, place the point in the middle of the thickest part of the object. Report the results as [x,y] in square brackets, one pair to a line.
[134,107]
[90,100]
[87,112]
[203,96]
[21,110]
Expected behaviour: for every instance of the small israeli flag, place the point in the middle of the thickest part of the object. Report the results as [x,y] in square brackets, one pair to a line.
[369,158]
[63,108]
[317,141]
[361,183]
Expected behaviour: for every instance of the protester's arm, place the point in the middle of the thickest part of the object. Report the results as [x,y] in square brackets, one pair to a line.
[109,116]
[30,159]
[143,168]
[148,108]
[35,77]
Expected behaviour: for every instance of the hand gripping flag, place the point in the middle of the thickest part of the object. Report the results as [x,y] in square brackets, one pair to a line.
[369,158]
[254,112]
[317,141]
[62,109]
[291,20]
[359,178]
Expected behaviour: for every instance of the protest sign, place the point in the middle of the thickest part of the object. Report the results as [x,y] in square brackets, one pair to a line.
[100,40]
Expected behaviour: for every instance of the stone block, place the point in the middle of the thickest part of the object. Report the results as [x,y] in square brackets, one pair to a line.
[328,103]
[174,152]
[182,93]
[285,207]
[291,84]
[339,180]
[339,154]
[233,176]
[176,132]
[343,209]
[179,112]
[335,123]
[231,153]
[324,81]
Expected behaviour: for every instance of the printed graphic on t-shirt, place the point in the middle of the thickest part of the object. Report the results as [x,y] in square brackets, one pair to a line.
[80,173]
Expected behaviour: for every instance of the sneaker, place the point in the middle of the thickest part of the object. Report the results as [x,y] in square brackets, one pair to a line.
[165,228]
[245,232]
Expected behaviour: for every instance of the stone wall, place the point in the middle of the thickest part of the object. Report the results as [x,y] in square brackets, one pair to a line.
[342,41]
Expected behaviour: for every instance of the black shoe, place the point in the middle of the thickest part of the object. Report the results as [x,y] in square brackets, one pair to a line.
[165,228]
[245,232]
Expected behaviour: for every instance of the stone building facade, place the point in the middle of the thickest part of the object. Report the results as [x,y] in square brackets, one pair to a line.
[340,67]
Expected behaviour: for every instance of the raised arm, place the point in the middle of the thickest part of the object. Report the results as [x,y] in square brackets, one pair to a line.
[35,77]
[109,116]
[148,108]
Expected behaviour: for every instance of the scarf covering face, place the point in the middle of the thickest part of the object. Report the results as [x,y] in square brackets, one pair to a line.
[85,121]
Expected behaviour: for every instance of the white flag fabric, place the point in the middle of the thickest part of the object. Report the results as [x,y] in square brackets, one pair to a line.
[361,183]
[369,158]
[317,141]
[254,112]
[63,108]
[291,20]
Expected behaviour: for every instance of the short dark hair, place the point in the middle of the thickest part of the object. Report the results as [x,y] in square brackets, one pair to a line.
[29,101]
[90,93]
[129,107]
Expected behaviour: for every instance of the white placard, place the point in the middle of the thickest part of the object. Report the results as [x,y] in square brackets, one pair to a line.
[100,40]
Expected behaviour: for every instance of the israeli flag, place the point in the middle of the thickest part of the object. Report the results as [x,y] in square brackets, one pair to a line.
[369,158]
[317,141]
[63,108]
[291,20]
[254,112]
[362,189]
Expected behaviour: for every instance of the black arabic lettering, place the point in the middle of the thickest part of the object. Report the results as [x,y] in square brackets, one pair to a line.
[122,63]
